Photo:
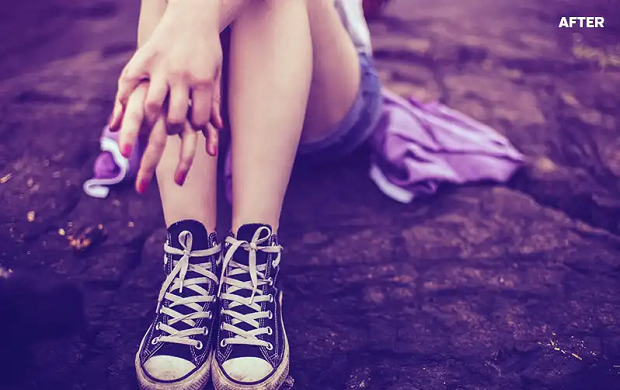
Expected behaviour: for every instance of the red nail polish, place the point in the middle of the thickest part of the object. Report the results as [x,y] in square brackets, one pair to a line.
[179,178]
[142,186]
[126,152]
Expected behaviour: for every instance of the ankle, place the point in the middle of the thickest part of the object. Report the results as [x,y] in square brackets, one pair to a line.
[273,225]
[208,223]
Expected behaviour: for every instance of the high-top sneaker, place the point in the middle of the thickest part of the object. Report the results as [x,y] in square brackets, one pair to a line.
[252,350]
[175,353]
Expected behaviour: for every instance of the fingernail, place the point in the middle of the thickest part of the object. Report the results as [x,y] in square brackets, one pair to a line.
[141,186]
[112,124]
[179,178]
[126,152]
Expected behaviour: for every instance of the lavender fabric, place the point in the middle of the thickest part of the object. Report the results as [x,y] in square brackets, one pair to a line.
[416,147]
[110,166]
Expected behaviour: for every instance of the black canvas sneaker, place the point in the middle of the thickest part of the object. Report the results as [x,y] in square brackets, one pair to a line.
[252,350]
[175,353]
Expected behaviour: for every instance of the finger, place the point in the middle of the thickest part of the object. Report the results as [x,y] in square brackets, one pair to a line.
[116,118]
[134,72]
[189,138]
[178,106]
[132,120]
[216,106]
[212,140]
[155,98]
[205,132]
[152,155]
[201,107]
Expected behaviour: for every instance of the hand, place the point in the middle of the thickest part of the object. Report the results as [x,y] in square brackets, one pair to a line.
[134,124]
[182,61]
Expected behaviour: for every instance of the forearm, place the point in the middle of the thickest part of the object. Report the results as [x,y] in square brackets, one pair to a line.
[152,11]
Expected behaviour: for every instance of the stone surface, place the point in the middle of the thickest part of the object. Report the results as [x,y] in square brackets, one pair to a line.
[481,287]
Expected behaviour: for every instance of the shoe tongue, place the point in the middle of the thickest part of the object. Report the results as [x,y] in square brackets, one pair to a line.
[200,236]
[246,233]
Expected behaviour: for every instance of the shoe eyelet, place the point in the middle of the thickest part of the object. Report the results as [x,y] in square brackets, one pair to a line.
[270,281]
[270,314]
[269,331]
[157,326]
[199,345]
[269,347]
[206,332]
[270,298]
[155,340]
[223,343]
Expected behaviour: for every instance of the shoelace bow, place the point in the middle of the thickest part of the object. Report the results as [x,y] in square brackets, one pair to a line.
[176,281]
[257,280]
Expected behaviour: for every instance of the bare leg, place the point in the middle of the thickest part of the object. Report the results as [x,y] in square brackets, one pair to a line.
[336,71]
[270,68]
[197,198]
[271,71]
[270,74]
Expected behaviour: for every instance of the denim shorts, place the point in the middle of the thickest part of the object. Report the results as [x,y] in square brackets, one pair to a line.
[357,125]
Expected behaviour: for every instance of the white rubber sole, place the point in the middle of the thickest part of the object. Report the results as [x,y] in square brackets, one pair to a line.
[274,382]
[197,381]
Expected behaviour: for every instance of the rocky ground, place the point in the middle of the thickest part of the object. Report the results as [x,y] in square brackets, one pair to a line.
[480,287]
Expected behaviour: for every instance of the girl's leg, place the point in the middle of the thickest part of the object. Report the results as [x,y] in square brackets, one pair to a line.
[270,75]
[271,72]
[269,82]
[174,353]
[196,199]
[336,71]
[292,74]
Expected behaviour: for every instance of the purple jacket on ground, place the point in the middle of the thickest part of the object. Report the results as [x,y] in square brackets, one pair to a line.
[416,147]
[110,166]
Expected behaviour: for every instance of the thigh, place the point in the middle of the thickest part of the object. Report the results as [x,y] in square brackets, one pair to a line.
[357,124]
[336,71]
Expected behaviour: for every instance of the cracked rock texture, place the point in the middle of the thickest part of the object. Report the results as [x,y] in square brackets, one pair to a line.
[479,287]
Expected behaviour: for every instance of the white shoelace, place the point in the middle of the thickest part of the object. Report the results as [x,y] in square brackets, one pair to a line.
[176,282]
[257,280]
